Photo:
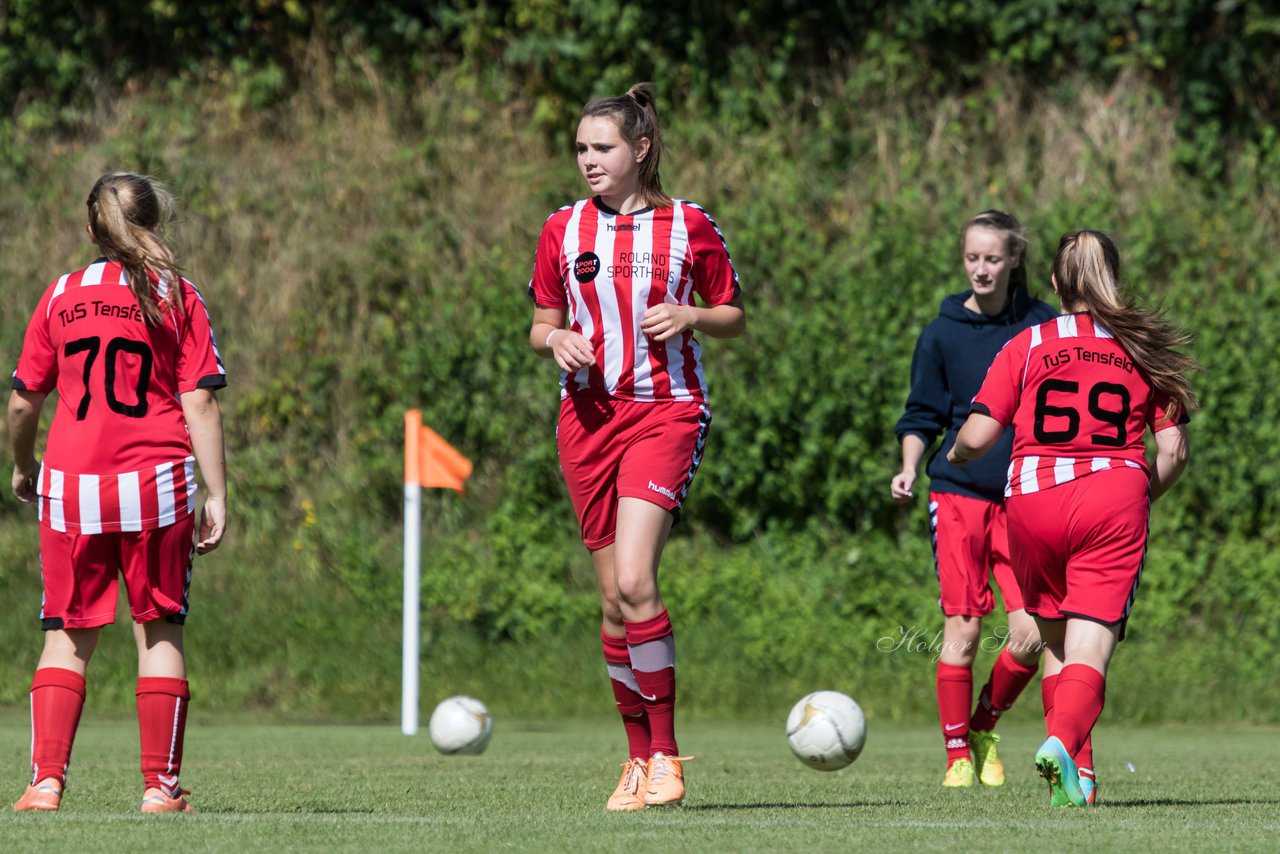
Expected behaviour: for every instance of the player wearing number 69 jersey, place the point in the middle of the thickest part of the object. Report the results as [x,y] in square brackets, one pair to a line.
[1080,391]
[127,344]
[1077,402]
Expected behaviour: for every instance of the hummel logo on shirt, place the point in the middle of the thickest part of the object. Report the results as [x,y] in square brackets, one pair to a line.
[662,490]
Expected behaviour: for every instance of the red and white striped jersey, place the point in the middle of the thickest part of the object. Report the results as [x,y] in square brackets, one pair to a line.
[1077,402]
[606,269]
[118,456]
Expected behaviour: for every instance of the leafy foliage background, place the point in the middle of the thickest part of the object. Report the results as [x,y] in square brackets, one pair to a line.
[363,185]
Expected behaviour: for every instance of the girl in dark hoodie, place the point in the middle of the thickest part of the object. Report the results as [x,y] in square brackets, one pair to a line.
[966,505]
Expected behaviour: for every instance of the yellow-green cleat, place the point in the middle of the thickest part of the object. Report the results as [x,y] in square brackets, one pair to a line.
[986,761]
[959,774]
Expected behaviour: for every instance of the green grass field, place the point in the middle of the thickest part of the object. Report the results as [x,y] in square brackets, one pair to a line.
[542,786]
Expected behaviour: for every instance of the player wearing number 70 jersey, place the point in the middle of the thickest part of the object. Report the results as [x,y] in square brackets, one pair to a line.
[127,344]
[1080,392]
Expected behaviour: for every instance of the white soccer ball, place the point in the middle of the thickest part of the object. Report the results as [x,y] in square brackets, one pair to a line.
[826,730]
[460,725]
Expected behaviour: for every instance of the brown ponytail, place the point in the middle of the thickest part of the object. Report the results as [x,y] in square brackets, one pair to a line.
[636,115]
[127,212]
[1087,272]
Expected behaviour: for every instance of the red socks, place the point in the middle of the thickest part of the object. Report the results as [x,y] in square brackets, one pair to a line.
[1048,684]
[1048,688]
[1008,677]
[57,698]
[955,693]
[627,694]
[653,663]
[162,722]
[1084,757]
[1077,703]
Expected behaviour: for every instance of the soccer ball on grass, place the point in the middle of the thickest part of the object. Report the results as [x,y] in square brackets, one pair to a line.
[460,725]
[826,730]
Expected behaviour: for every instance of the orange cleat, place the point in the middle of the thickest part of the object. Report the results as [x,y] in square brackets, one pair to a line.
[44,797]
[666,780]
[630,792]
[156,801]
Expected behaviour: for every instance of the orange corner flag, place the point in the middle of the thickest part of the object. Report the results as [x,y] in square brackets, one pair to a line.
[429,460]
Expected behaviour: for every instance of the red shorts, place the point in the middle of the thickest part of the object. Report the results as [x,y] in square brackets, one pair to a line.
[611,448]
[1079,547]
[80,571]
[971,543]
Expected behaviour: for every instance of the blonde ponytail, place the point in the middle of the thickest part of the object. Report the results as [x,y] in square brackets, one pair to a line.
[1087,271]
[127,214]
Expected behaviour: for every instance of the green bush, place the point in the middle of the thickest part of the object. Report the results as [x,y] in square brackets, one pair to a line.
[364,246]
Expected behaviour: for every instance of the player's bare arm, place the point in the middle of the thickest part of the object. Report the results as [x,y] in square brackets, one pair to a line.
[978,435]
[1172,453]
[549,338]
[204,422]
[24,419]
[667,320]
[912,450]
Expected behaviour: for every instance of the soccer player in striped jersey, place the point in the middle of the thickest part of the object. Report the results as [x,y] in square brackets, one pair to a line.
[127,345]
[966,507]
[1080,391]
[614,284]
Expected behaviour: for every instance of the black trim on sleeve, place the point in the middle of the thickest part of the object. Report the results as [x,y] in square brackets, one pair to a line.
[212,382]
[51,624]
[19,385]
[981,409]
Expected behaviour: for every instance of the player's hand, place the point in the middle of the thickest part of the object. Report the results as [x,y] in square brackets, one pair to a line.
[213,524]
[667,320]
[571,351]
[956,460]
[901,485]
[24,483]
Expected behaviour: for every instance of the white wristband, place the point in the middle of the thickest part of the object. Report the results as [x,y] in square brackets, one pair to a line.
[547,343]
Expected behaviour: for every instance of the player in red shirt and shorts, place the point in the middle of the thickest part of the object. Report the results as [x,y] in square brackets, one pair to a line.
[614,285]
[127,345]
[1080,392]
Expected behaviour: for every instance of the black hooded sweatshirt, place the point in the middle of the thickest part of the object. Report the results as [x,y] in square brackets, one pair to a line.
[950,362]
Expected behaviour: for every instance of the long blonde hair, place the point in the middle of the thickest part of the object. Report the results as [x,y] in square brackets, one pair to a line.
[127,214]
[1087,271]
[636,115]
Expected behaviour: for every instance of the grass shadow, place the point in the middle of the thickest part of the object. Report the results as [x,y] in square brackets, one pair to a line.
[794,805]
[1177,802]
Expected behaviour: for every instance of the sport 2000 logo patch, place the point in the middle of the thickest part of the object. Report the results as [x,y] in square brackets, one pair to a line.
[586,266]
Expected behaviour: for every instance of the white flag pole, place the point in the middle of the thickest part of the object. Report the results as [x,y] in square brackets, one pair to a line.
[412,577]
